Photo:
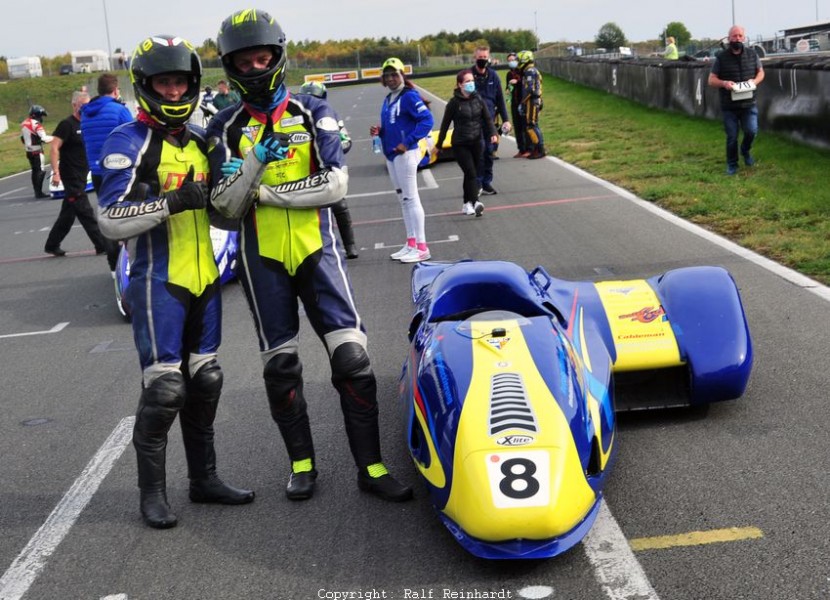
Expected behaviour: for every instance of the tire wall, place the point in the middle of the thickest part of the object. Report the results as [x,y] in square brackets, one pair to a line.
[794,98]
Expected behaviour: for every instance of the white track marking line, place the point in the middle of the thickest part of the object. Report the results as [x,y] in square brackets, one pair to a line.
[30,562]
[616,569]
[55,329]
[785,273]
[9,193]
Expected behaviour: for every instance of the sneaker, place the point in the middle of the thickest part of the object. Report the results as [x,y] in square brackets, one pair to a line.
[748,160]
[383,485]
[397,255]
[731,169]
[488,189]
[537,154]
[55,251]
[468,209]
[478,209]
[416,256]
[524,154]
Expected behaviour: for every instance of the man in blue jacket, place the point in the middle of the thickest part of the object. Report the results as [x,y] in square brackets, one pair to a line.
[99,117]
[488,86]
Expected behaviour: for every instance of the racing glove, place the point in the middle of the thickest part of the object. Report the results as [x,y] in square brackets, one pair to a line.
[232,166]
[272,148]
[192,195]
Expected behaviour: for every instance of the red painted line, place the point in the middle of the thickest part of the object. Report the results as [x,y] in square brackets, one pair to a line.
[496,208]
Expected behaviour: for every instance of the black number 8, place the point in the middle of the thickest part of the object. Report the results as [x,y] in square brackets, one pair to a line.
[518,469]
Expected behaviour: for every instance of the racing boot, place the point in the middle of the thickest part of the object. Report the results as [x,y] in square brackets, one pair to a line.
[157,409]
[354,380]
[196,418]
[344,224]
[284,387]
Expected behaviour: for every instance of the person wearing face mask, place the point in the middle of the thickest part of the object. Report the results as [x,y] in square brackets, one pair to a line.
[513,87]
[737,72]
[488,86]
[404,119]
[471,122]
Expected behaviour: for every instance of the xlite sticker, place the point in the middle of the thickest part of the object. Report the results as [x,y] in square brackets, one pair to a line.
[515,440]
[117,162]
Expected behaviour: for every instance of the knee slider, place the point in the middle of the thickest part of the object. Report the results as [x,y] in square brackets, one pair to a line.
[283,383]
[167,391]
[350,361]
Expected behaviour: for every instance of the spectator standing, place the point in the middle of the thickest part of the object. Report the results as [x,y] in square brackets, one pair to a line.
[70,168]
[670,53]
[404,119]
[737,71]
[225,96]
[99,118]
[154,195]
[282,159]
[34,136]
[530,104]
[488,86]
[471,121]
[513,87]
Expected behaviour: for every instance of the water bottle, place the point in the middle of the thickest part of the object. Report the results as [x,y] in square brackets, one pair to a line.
[377,146]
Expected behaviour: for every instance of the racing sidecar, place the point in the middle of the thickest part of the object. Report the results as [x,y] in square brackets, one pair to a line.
[225,246]
[509,392]
[425,146]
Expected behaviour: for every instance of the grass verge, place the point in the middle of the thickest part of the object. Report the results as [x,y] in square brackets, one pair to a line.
[778,208]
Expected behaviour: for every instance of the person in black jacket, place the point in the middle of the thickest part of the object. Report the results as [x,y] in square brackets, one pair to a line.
[737,71]
[471,120]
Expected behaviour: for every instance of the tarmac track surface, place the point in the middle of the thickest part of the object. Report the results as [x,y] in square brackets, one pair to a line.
[727,505]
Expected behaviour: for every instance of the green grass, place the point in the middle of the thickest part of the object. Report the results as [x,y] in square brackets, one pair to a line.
[779,208]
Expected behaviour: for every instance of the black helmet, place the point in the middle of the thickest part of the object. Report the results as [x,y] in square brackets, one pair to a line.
[246,29]
[37,112]
[166,54]
[314,88]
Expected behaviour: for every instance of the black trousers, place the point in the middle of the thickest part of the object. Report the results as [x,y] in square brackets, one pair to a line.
[74,207]
[468,157]
[37,172]
[112,246]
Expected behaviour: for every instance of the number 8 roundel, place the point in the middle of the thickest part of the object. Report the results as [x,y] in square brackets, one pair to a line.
[519,479]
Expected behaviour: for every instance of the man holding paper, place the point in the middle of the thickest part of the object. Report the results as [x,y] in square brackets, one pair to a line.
[737,71]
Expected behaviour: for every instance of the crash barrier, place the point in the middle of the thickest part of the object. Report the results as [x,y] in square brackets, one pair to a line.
[792,100]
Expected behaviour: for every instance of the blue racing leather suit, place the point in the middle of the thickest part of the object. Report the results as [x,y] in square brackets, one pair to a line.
[174,282]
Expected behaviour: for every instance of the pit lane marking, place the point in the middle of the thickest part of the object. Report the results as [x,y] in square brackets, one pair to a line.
[381,246]
[22,573]
[615,567]
[55,329]
[696,538]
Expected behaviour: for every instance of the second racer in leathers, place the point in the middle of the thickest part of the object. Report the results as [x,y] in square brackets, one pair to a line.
[288,250]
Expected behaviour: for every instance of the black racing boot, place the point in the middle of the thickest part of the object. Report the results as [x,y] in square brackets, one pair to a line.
[344,224]
[157,410]
[354,379]
[196,419]
[376,480]
[284,386]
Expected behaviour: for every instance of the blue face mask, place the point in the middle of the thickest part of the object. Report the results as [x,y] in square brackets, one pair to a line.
[512,64]
[469,87]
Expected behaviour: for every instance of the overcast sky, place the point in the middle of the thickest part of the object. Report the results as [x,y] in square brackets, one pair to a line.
[53,27]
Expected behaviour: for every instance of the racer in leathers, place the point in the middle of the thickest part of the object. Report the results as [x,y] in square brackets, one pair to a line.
[339,208]
[288,249]
[153,194]
[531,103]
[33,136]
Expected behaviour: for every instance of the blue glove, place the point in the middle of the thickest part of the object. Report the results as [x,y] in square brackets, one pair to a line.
[272,148]
[232,166]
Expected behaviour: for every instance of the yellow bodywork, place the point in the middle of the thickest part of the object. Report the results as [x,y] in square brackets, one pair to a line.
[518,483]
[642,334]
